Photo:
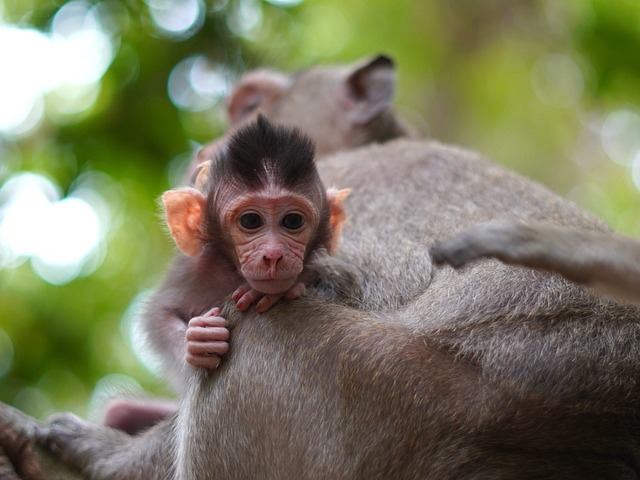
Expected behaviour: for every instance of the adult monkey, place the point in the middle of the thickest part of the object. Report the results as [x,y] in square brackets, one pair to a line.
[487,372]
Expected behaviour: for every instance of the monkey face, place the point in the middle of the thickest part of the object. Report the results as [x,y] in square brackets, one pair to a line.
[271,234]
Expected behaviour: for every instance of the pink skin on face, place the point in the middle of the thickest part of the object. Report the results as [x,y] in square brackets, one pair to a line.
[270,261]
[270,246]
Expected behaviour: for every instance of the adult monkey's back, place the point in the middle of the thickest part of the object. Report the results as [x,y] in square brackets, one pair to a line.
[488,372]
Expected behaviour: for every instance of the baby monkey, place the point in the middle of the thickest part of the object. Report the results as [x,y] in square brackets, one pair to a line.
[257,215]
[259,210]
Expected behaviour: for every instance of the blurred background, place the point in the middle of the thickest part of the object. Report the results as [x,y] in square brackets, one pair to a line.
[103,102]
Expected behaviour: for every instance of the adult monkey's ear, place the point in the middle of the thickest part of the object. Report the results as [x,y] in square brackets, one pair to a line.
[202,175]
[368,89]
[256,90]
[184,210]
[335,198]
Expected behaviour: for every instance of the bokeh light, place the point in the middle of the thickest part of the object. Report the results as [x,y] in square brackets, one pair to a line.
[177,19]
[635,171]
[59,235]
[24,198]
[69,60]
[131,328]
[23,82]
[558,80]
[245,17]
[195,84]
[109,387]
[620,136]
[285,3]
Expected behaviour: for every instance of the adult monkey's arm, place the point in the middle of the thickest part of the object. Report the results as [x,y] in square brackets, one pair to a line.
[606,261]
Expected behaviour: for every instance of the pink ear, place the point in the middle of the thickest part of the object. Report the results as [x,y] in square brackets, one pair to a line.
[254,91]
[184,210]
[338,216]
[369,89]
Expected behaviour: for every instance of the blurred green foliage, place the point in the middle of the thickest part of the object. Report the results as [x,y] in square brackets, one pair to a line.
[550,89]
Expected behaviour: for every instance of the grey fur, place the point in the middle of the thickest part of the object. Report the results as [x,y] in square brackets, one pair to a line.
[490,371]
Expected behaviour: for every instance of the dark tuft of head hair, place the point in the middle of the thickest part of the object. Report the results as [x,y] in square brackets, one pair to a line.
[261,149]
[257,155]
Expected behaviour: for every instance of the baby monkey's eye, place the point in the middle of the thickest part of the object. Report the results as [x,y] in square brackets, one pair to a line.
[293,221]
[251,221]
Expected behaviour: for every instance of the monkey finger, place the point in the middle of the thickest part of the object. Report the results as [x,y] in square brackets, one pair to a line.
[207,334]
[267,302]
[240,292]
[214,312]
[203,361]
[294,292]
[206,349]
[207,322]
[248,299]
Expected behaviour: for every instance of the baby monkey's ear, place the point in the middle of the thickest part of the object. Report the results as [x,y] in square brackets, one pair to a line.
[336,198]
[184,210]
